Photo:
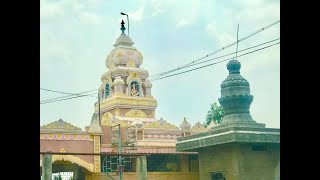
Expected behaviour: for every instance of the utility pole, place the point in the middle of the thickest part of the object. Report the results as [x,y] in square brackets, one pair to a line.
[120,151]
[99,109]
[237,42]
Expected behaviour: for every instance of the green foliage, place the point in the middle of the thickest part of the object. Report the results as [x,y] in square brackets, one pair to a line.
[215,114]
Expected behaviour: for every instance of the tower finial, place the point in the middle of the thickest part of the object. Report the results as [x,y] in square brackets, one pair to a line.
[122,27]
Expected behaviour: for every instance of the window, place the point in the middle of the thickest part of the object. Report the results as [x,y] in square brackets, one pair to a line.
[110,164]
[163,163]
[107,91]
[193,163]
[217,176]
[134,89]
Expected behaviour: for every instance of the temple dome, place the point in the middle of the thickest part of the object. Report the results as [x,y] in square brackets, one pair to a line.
[124,54]
[185,125]
[234,84]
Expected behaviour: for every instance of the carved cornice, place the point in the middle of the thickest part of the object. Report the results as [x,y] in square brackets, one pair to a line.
[136,113]
[120,100]
[214,138]
[126,71]
[66,137]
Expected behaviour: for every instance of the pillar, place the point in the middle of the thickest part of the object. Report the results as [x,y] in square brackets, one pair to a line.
[142,167]
[47,167]
[184,163]
[75,174]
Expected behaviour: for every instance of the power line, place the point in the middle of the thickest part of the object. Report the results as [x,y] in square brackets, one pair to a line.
[69,94]
[193,63]
[81,94]
[223,48]
[67,98]
[216,62]
[228,54]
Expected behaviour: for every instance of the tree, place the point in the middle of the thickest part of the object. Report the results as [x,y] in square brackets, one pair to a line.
[215,114]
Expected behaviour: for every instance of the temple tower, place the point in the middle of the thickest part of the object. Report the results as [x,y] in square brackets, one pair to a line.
[236,99]
[125,90]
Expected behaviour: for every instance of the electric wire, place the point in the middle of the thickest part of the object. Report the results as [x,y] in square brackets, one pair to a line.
[210,54]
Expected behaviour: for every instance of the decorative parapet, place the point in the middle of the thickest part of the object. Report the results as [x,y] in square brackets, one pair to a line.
[228,135]
[121,100]
[66,137]
[60,125]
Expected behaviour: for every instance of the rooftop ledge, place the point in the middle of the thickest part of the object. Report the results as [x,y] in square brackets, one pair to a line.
[228,135]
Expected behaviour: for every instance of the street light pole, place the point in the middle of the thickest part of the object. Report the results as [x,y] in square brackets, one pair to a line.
[127,21]
[119,150]
[99,109]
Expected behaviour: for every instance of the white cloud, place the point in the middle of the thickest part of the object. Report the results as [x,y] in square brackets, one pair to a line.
[221,37]
[182,23]
[137,15]
[68,37]
[78,11]
[158,7]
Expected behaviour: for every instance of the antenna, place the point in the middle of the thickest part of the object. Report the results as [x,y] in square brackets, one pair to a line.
[237,41]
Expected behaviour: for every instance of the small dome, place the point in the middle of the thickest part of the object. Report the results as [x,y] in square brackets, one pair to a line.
[185,125]
[124,54]
[234,67]
[198,126]
[234,84]
[118,81]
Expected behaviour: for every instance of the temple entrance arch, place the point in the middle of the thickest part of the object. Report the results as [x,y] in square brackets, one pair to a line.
[68,163]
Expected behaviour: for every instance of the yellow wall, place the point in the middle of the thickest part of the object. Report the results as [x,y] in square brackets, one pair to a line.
[239,162]
[150,175]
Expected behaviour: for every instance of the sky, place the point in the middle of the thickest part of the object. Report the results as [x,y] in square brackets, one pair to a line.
[77,35]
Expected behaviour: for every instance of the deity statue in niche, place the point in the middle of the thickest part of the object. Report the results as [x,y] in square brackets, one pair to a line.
[134,89]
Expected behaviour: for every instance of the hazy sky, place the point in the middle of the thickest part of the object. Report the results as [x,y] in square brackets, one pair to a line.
[77,35]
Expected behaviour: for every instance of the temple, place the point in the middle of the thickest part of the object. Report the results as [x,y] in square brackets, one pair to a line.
[123,122]
[239,147]
[125,140]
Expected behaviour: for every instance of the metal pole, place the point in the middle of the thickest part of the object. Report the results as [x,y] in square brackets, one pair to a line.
[120,151]
[128,24]
[99,108]
[237,41]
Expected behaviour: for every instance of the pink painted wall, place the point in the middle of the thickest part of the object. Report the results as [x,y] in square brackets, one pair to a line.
[106,138]
[69,146]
